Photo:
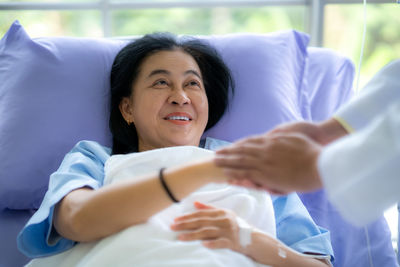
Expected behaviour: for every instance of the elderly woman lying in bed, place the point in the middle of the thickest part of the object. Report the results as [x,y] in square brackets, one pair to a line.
[117,206]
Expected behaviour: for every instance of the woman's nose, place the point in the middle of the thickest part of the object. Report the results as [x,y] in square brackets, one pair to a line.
[179,97]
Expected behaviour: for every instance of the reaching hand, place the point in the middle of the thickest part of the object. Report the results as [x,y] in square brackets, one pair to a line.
[279,162]
[322,132]
[309,129]
[217,227]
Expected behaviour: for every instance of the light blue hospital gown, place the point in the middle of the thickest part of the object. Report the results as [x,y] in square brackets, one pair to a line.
[83,166]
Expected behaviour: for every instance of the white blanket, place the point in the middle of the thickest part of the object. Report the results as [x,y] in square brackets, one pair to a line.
[153,243]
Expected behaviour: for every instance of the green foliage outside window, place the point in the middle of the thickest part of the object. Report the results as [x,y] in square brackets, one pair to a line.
[342,30]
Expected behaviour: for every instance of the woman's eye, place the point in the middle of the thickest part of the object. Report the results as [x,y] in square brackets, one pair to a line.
[194,83]
[160,83]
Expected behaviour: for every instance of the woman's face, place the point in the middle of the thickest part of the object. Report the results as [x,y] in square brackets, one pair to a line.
[168,104]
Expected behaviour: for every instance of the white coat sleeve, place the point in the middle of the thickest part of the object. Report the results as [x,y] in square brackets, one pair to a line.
[361,172]
[375,97]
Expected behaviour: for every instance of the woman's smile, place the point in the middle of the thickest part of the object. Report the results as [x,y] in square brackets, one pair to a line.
[179,118]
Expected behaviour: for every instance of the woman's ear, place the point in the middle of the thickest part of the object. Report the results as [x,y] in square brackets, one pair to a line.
[125,107]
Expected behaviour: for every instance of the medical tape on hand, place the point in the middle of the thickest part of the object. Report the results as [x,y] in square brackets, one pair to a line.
[245,231]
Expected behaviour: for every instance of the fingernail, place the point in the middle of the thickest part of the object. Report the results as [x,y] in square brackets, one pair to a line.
[198,204]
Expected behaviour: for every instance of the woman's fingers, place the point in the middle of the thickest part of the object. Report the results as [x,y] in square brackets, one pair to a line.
[204,233]
[206,216]
[217,231]
[194,224]
[200,205]
[209,213]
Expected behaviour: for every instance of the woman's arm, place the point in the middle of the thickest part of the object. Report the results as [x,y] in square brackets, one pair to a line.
[87,215]
[270,251]
[219,228]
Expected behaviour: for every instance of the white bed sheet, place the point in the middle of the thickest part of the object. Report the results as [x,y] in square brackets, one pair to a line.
[153,243]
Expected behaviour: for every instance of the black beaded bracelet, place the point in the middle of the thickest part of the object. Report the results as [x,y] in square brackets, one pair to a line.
[166,188]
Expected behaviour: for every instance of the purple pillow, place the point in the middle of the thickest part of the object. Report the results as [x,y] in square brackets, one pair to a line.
[269,73]
[330,82]
[54,92]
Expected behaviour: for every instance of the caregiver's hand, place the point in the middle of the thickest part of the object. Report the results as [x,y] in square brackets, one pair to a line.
[322,132]
[278,162]
[216,227]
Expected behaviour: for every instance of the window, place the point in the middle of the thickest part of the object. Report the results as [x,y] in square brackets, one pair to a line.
[343,28]
[205,21]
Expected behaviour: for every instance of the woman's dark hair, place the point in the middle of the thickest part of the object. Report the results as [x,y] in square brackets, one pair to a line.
[217,81]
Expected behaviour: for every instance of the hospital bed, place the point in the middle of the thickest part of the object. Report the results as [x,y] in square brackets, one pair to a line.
[54,93]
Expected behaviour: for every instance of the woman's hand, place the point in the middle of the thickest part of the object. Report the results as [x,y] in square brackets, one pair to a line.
[216,227]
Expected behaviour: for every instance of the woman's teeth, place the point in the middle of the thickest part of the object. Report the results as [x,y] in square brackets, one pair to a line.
[182,118]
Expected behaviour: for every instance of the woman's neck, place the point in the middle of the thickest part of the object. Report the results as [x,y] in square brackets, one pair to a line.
[146,147]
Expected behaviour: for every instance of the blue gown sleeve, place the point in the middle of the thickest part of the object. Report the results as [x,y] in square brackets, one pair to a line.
[83,166]
[296,228]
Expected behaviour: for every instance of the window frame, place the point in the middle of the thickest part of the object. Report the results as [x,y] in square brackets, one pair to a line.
[314,21]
